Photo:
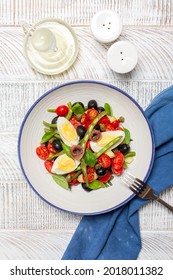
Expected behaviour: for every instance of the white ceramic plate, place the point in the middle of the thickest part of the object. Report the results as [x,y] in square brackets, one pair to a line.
[77,200]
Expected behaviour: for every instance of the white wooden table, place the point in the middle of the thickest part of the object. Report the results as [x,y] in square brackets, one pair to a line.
[30,228]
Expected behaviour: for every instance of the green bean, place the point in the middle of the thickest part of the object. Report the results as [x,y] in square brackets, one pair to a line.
[66,149]
[52,125]
[48,129]
[91,127]
[76,175]
[51,110]
[84,170]
[70,112]
[108,146]
[78,168]
[57,136]
[52,156]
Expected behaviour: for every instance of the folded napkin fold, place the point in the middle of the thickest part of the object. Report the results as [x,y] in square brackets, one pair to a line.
[116,235]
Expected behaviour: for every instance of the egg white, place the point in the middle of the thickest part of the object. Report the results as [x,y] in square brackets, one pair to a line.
[60,122]
[58,171]
[96,147]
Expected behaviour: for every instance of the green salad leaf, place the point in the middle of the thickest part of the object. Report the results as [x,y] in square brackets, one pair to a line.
[90,158]
[77,109]
[127,136]
[96,184]
[108,109]
[61,181]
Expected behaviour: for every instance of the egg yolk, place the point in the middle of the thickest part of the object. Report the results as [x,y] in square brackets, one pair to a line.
[105,139]
[68,132]
[66,164]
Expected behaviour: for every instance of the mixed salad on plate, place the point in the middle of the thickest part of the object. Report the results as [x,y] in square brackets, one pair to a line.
[85,145]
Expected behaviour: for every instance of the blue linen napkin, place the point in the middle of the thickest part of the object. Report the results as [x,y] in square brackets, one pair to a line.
[116,235]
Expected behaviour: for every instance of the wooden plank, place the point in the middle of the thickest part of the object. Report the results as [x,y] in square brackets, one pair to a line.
[7,12]
[134,12]
[50,245]
[154,46]
[22,209]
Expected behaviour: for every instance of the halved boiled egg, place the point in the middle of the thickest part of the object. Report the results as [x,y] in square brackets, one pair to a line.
[106,137]
[64,164]
[67,132]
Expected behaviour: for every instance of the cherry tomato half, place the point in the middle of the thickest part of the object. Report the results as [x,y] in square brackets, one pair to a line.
[90,173]
[84,119]
[115,123]
[105,178]
[62,110]
[105,120]
[117,161]
[90,169]
[118,171]
[87,124]
[75,122]
[42,152]
[51,149]
[74,181]
[119,128]
[90,177]
[109,127]
[104,160]
[48,165]
[92,114]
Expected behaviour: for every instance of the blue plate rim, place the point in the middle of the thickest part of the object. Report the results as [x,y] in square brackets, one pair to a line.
[82,82]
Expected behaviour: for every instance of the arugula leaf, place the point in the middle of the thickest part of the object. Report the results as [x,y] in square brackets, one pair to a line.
[127,136]
[61,181]
[78,109]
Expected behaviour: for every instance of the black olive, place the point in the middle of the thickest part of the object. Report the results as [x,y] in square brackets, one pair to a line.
[100,109]
[124,148]
[78,103]
[92,104]
[55,120]
[84,186]
[46,143]
[57,145]
[97,127]
[101,171]
[81,130]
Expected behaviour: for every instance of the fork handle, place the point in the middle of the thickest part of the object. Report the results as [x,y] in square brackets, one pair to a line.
[157,198]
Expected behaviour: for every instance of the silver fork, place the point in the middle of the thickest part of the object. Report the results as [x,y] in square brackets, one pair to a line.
[142,190]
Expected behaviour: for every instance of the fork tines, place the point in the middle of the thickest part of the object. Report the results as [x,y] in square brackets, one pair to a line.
[135,184]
